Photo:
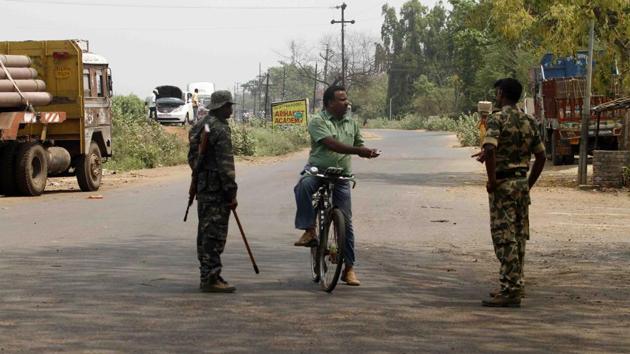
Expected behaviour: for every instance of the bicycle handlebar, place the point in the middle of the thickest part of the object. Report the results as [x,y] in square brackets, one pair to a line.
[350,178]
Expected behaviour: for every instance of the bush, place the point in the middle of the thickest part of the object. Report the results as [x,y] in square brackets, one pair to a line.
[413,122]
[280,140]
[243,141]
[130,105]
[465,126]
[138,142]
[440,123]
[141,143]
[467,130]
[382,123]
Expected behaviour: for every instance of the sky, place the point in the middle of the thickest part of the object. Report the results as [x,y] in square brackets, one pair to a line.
[152,43]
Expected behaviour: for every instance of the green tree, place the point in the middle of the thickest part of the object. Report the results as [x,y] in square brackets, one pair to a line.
[369,99]
[562,26]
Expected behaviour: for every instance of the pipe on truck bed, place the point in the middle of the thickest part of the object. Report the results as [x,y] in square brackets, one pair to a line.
[14,99]
[23,85]
[19,73]
[15,61]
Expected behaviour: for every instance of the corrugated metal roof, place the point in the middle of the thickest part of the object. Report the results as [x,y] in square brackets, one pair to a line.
[620,103]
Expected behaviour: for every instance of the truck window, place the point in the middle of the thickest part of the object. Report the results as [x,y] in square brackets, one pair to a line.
[87,84]
[110,88]
[99,83]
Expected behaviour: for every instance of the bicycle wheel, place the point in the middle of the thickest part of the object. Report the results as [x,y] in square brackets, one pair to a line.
[314,266]
[314,253]
[331,250]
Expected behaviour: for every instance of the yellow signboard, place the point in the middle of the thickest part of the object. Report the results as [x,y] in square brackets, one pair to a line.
[290,112]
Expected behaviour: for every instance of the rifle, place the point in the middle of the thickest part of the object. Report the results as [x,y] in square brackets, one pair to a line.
[192,190]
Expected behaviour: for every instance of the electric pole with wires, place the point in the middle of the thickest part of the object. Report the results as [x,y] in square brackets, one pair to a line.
[343,50]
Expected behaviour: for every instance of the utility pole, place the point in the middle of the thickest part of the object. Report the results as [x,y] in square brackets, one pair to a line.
[326,59]
[586,111]
[235,94]
[284,78]
[343,43]
[242,103]
[267,96]
[314,90]
[256,96]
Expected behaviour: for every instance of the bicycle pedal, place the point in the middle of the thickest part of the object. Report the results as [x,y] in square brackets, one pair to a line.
[312,243]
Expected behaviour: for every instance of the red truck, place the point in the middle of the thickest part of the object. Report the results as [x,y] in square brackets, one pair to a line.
[560,86]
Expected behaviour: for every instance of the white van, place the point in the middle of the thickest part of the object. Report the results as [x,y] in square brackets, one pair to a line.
[205,91]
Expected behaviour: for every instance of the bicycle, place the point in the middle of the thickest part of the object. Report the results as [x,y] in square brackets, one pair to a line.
[327,253]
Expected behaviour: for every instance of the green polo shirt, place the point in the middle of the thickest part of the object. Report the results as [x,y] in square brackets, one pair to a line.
[345,130]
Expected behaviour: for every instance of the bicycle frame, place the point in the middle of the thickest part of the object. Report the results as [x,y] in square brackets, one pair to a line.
[324,210]
[322,199]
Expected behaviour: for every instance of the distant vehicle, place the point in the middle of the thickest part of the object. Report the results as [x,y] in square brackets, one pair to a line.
[205,91]
[560,84]
[172,106]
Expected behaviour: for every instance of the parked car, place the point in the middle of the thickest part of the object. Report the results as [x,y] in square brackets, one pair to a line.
[173,106]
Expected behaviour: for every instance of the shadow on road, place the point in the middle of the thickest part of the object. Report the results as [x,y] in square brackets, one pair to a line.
[141,296]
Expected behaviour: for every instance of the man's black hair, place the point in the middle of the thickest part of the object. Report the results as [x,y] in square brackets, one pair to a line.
[329,94]
[510,88]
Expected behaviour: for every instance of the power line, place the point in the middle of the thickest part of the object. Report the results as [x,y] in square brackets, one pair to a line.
[146,6]
[170,29]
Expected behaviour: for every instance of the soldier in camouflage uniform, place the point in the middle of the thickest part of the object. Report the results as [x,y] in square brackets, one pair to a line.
[216,189]
[511,138]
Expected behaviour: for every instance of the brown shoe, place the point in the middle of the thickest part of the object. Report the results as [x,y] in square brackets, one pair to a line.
[350,277]
[502,300]
[307,239]
[496,292]
[216,285]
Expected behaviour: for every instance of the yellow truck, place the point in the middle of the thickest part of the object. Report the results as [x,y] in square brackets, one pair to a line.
[55,115]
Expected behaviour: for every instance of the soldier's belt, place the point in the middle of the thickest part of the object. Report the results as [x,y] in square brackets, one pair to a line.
[512,173]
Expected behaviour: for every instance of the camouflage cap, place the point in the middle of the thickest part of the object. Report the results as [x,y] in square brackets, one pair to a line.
[220,99]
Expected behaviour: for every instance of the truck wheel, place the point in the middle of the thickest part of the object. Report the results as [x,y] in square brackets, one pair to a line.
[7,169]
[90,169]
[31,169]
[556,158]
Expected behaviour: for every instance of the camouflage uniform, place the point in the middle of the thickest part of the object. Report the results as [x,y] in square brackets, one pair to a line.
[216,186]
[515,136]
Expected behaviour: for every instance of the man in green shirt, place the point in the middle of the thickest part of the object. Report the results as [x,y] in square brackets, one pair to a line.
[334,137]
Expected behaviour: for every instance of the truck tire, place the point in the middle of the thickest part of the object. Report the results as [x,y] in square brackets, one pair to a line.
[31,169]
[7,169]
[89,169]
[568,159]
[556,158]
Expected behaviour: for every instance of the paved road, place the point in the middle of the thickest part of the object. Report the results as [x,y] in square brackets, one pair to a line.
[120,274]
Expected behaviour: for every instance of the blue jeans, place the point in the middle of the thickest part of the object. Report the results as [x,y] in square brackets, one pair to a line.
[305,215]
